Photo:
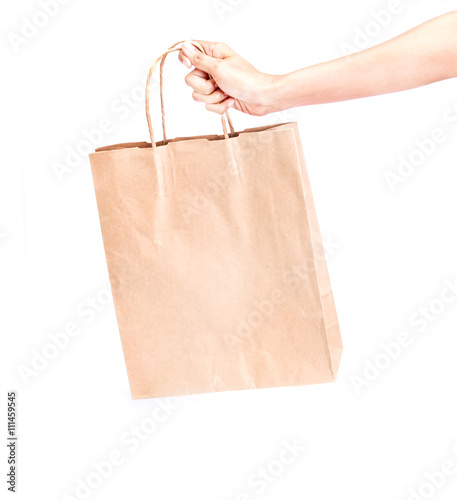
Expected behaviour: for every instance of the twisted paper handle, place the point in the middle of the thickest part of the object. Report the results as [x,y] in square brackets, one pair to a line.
[162,57]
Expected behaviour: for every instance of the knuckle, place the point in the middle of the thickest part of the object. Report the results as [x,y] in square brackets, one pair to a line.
[216,67]
[213,108]
[195,96]
[221,46]
[219,97]
[209,85]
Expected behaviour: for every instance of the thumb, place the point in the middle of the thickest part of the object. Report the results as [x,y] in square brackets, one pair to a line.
[199,59]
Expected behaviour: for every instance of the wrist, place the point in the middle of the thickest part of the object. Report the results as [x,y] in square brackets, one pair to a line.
[278,93]
[272,91]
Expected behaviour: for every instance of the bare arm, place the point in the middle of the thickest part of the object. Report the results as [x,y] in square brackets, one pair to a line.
[422,55]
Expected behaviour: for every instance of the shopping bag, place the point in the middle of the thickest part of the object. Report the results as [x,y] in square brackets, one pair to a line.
[216,261]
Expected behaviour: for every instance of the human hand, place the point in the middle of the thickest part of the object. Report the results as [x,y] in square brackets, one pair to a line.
[234,82]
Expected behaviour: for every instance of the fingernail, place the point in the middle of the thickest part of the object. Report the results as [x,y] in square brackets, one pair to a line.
[230,102]
[188,47]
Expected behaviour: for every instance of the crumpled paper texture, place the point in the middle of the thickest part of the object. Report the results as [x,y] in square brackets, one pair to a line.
[216,263]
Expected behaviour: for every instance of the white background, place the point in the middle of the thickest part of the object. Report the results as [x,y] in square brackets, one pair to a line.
[389,253]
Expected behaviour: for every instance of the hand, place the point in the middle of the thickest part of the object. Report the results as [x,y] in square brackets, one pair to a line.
[234,83]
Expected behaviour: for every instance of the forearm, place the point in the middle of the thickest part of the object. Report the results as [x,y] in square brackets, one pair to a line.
[423,55]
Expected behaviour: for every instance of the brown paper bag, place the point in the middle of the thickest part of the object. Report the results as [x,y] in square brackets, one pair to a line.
[216,262]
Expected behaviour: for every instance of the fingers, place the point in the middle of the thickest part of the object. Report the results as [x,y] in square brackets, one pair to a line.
[184,60]
[198,80]
[221,107]
[206,89]
[213,98]
[216,49]
[199,59]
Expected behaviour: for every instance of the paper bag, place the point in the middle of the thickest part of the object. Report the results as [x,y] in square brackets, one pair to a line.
[216,262]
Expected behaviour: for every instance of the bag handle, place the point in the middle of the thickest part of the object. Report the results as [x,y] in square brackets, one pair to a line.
[162,57]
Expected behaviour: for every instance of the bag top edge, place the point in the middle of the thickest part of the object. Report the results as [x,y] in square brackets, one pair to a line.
[213,137]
